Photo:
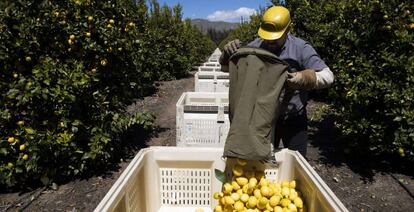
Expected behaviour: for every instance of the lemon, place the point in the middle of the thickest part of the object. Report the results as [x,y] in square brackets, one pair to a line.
[111,21]
[274,200]
[265,191]
[131,24]
[241,162]
[222,201]
[257,193]
[292,207]
[15,75]
[278,209]
[285,191]
[218,208]
[228,200]
[88,34]
[269,207]
[293,195]
[25,157]
[228,208]
[90,18]
[70,42]
[227,188]
[10,165]
[235,196]
[252,202]
[28,59]
[93,70]
[247,189]
[285,184]
[253,182]
[72,37]
[292,184]
[218,195]
[262,203]
[241,181]
[237,170]
[10,139]
[239,206]
[104,62]
[22,147]
[263,182]
[298,202]
[235,185]
[20,123]
[244,198]
[285,202]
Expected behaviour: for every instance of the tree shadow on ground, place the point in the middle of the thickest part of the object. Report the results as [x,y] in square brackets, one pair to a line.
[327,138]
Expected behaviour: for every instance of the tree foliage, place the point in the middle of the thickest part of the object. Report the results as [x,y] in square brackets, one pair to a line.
[67,71]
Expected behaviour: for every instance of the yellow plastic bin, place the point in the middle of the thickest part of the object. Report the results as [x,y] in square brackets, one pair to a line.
[171,179]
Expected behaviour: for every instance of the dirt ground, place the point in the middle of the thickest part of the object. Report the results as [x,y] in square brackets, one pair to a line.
[360,186]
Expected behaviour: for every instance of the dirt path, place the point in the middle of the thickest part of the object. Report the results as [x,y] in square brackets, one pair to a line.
[359,191]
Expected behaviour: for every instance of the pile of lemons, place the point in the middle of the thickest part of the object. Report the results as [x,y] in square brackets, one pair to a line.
[250,191]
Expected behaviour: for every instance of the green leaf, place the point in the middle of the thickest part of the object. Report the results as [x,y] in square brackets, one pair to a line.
[220,175]
[29,131]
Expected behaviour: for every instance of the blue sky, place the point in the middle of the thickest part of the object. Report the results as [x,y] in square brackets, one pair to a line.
[218,10]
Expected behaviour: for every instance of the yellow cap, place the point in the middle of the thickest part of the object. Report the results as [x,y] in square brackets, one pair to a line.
[275,21]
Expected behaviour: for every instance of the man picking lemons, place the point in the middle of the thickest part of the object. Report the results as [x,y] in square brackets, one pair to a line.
[299,68]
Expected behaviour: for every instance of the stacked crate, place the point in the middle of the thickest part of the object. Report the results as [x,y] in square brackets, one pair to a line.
[202,116]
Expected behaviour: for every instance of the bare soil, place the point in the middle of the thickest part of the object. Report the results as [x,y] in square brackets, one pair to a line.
[360,186]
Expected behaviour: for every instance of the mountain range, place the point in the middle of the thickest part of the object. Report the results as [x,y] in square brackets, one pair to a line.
[203,25]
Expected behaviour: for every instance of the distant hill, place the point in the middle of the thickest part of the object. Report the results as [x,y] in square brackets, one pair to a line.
[203,25]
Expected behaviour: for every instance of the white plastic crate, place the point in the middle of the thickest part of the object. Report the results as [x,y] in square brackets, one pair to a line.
[212,64]
[202,119]
[213,60]
[170,179]
[206,81]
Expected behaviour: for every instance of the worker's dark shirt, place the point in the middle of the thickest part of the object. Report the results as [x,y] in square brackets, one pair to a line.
[300,55]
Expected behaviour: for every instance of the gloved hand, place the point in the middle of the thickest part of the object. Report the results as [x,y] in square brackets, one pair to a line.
[231,47]
[305,79]
[228,50]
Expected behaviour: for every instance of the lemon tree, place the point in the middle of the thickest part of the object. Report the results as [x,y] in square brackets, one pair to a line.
[68,69]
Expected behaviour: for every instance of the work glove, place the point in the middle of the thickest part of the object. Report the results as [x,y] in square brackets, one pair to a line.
[229,49]
[305,79]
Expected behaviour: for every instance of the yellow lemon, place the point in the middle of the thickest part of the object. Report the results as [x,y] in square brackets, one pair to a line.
[269,207]
[252,202]
[292,207]
[262,203]
[265,191]
[228,200]
[292,184]
[239,206]
[285,191]
[72,37]
[257,193]
[253,182]
[277,209]
[235,185]
[218,195]
[285,202]
[223,201]
[20,123]
[28,59]
[70,42]
[10,139]
[263,182]
[131,24]
[111,21]
[240,191]
[10,165]
[244,197]
[235,196]
[293,195]
[90,18]
[227,188]
[247,189]
[298,202]
[274,200]
[241,181]
[88,34]
[104,62]
[218,208]
[241,162]
[22,147]
[285,184]
[25,157]
[93,71]
[237,170]
[228,208]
